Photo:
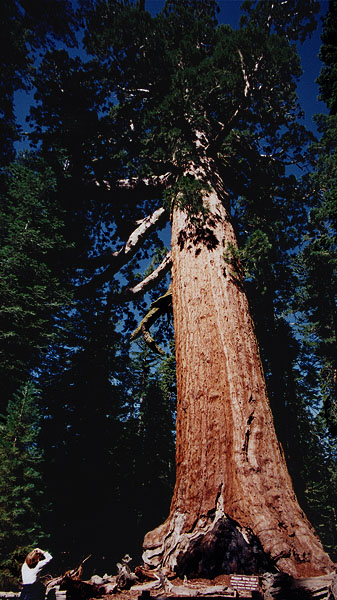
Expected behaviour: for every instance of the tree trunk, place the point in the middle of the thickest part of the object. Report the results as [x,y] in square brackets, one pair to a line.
[233,508]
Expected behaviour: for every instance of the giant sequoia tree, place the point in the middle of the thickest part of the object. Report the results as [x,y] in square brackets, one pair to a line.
[174,119]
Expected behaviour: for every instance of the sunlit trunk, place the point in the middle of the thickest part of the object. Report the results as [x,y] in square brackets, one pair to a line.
[233,508]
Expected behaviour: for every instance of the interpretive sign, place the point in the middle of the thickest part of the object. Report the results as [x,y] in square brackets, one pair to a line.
[244,583]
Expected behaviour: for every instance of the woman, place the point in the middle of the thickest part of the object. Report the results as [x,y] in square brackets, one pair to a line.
[33,589]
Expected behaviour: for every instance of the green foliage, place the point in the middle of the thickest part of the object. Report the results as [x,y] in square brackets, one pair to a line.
[295,20]
[108,437]
[154,397]
[314,308]
[317,262]
[31,290]
[251,260]
[187,194]
[85,407]
[320,483]
[175,84]
[25,29]
[328,55]
[21,485]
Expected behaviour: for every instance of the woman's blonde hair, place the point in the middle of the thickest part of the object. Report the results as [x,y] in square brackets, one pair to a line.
[33,558]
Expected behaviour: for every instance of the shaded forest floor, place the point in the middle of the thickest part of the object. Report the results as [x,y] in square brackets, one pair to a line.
[278,586]
[198,584]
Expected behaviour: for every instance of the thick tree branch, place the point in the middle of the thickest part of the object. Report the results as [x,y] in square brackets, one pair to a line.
[246,94]
[136,184]
[157,308]
[245,77]
[132,293]
[117,259]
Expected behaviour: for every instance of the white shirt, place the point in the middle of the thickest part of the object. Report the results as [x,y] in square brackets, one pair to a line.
[30,575]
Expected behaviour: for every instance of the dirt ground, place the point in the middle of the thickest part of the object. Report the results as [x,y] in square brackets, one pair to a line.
[199,584]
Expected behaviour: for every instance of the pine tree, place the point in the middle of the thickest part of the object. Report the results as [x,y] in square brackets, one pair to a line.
[319,277]
[153,393]
[315,301]
[21,484]
[86,407]
[33,290]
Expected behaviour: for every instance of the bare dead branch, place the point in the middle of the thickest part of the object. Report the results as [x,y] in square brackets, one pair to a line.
[128,294]
[246,93]
[135,183]
[115,260]
[245,77]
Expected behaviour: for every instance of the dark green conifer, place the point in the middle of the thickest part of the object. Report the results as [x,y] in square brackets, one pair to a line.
[32,287]
[315,303]
[21,485]
[317,263]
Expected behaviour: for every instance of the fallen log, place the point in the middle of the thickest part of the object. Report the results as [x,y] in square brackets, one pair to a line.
[73,573]
[144,573]
[77,573]
[107,584]
[71,582]
[80,590]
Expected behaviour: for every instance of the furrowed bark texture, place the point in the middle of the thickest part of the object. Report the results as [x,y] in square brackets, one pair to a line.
[234,508]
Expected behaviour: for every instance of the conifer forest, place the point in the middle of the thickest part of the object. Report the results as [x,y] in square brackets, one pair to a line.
[168,321]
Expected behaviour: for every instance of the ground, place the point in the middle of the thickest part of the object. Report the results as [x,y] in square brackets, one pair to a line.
[198,584]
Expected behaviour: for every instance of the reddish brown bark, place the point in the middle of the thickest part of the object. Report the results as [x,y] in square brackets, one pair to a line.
[234,508]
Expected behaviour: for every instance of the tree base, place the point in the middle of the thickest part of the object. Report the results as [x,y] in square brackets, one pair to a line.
[225,549]
[216,544]
[219,547]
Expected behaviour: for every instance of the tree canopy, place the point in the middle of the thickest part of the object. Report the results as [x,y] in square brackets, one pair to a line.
[26,29]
